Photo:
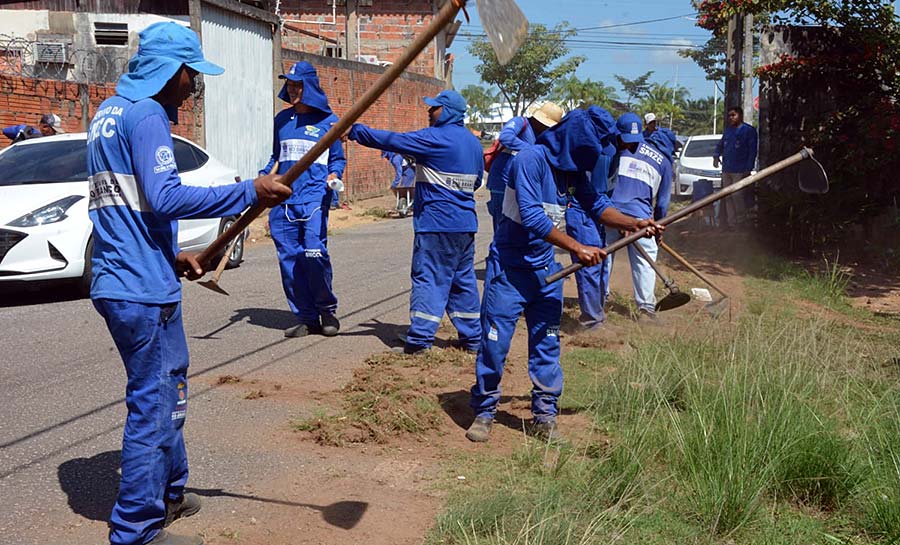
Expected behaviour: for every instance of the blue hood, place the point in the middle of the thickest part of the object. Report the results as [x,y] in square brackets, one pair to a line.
[663,140]
[313,96]
[163,48]
[454,104]
[576,143]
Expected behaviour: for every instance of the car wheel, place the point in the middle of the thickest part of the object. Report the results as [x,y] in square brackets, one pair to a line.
[237,253]
[83,284]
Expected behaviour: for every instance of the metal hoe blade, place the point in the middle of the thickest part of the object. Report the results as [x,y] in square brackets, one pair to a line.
[675,299]
[812,178]
[505,25]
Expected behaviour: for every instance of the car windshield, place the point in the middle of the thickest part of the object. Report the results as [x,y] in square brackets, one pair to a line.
[59,161]
[700,148]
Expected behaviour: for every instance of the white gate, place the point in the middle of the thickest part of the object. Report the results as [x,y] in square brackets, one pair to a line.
[238,104]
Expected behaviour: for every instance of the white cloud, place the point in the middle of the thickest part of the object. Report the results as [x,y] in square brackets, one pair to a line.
[670,55]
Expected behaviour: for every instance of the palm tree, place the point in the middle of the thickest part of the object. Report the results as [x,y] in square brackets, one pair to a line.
[571,93]
[480,101]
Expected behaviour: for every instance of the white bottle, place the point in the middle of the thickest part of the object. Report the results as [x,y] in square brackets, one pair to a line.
[336,184]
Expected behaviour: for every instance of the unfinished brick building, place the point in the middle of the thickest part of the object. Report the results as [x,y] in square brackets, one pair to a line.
[372,31]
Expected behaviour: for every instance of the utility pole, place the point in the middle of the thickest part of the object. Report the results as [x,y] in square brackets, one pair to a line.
[733,61]
[351,32]
[715,106]
[748,68]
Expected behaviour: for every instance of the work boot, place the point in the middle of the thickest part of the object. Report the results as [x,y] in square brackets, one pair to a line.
[649,317]
[330,325]
[545,430]
[187,506]
[410,350]
[302,330]
[480,430]
[165,538]
[466,346]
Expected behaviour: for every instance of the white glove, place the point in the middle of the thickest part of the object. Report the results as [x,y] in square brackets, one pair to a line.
[336,185]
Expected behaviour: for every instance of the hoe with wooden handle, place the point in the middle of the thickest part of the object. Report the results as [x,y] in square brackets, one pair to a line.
[811,178]
[506,28]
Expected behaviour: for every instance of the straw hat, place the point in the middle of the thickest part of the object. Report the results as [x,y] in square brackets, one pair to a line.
[549,114]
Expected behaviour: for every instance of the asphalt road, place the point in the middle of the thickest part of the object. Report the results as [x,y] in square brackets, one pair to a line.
[61,401]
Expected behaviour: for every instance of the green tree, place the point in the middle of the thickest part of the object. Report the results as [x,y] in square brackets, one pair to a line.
[668,103]
[572,92]
[635,89]
[698,117]
[480,101]
[530,74]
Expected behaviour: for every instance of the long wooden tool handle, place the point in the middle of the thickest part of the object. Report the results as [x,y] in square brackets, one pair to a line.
[224,261]
[443,18]
[805,153]
[668,283]
[690,267]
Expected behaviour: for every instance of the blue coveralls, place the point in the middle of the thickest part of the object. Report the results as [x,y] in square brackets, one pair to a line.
[299,226]
[136,196]
[643,191]
[592,282]
[515,136]
[519,259]
[449,168]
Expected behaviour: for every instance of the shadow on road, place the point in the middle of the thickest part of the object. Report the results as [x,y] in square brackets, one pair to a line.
[343,514]
[23,295]
[268,318]
[91,484]
[386,333]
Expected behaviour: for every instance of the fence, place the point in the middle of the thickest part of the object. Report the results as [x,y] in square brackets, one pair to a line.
[59,61]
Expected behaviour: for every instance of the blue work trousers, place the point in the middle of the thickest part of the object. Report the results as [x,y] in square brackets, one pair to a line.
[508,293]
[642,274]
[443,280]
[300,233]
[151,341]
[592,282]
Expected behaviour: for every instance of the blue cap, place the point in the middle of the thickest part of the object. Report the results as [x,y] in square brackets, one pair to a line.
[630,129]
[163,49]
[449,99]
[313,95]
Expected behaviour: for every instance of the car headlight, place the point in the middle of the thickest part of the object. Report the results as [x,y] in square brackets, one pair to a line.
[699,172]
[51,213]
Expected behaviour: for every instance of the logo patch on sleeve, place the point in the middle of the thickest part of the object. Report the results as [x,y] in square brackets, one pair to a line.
[165,159]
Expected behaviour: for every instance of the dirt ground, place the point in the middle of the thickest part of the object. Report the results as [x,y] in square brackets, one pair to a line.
[390,492]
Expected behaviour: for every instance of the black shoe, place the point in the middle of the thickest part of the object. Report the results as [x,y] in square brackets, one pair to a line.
[330,325]
[546,431]
[410,350]
[466,347]
[302,330]
[165,538]
[480,430]
[188,505]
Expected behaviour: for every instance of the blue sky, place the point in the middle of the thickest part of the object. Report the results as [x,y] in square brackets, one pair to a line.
[606,59]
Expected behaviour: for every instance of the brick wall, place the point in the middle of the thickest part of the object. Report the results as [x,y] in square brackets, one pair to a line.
[400,109]
[24,100]
[385,29]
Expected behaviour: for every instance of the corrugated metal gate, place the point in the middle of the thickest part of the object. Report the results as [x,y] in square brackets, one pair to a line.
[238,104]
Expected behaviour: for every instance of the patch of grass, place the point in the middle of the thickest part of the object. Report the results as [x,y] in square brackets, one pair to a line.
[377,212]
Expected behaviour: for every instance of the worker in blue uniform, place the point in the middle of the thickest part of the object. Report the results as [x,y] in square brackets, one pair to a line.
[299,227]
[449,168]
[592,283]
[517,134]
[522,255]
[643,190]
[136,196]
[48,125]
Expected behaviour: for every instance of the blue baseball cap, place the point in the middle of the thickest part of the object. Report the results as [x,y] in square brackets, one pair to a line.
[163,49]
[630,129]
[449,99]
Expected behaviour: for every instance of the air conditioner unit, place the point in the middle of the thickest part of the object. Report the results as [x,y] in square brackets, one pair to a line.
[50,52]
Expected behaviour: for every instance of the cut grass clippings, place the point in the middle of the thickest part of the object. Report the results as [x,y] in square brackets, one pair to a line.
[393,394]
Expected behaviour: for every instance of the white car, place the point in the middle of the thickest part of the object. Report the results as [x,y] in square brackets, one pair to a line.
[695,163]
[45,232]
